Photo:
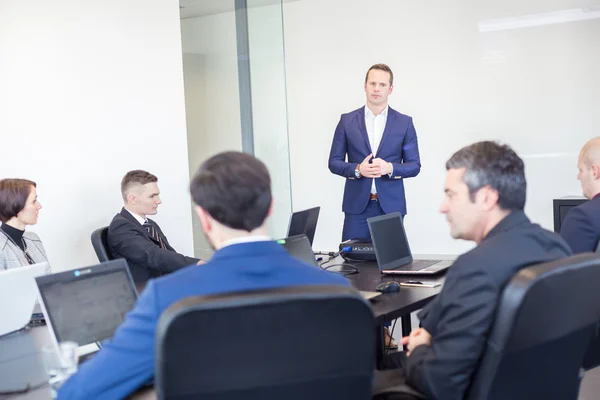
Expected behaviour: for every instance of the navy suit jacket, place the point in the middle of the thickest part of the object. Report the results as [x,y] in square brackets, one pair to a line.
[398,146]
[459,319]
[128,239]
[127,361]
[581,226]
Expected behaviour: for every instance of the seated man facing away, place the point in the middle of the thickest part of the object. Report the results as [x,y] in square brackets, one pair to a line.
[232,192]
[581,226]
[485,195]
[139,240]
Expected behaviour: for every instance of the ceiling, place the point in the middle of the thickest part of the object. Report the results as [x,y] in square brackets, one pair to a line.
[198,8]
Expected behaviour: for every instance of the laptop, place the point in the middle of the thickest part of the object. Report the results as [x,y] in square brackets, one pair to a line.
[18,296]
[392,249]
[87,305]
[298,246]
[304,222]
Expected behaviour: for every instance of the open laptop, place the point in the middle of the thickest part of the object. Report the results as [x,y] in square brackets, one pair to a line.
[87,305]
[304,222]
[18,296]
[392,249]
[299,247]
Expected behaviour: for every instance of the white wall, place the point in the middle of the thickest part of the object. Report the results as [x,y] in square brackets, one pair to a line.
[88,91]
[534,88]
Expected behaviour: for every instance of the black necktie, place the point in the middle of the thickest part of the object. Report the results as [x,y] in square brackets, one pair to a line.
[154,234]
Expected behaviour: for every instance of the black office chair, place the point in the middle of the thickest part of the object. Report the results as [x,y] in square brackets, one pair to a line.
[544,324]
[295,343]
[100,244]
[592,358]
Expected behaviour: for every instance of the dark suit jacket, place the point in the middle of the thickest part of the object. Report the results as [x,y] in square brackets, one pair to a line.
[127,361]
[581,226]
[398,145]
[460,318]
[129,240]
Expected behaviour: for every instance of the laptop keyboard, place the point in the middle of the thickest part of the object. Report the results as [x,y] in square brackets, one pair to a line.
[417,265]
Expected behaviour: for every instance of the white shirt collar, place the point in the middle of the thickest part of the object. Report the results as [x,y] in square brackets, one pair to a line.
[369,113]
[246,239]
[137,217]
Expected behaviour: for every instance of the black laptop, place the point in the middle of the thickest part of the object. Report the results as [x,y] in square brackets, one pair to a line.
[392,249]
[87,305]
[304,222]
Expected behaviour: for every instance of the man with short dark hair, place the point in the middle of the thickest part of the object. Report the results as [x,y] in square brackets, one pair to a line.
[375,148]
[232,192]
[484,199]
[581,226]
[138,239]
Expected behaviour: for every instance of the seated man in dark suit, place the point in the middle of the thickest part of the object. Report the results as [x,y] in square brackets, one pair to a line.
[138,239]
[233,196]
[484,199]
[581,226]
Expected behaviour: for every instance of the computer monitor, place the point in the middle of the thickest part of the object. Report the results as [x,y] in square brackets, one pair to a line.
[304,222]
[87,305]
[562,206]
[299,247]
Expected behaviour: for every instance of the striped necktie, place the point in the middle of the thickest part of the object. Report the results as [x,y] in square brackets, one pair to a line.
[154,234]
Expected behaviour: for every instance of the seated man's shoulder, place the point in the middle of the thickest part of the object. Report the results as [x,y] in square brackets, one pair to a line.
[118,223]
[589,209]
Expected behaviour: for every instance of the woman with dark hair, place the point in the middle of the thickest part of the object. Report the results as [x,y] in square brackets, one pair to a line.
[19,207]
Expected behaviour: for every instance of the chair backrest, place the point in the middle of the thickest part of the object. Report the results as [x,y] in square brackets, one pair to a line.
[592,358]
[545,321]
[295,343]
[100,244]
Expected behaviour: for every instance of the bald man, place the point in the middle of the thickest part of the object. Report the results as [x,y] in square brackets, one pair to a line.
[581,227]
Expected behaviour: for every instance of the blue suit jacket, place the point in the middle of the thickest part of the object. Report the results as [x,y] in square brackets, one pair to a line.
[398,145]
[581,226]
[127,362]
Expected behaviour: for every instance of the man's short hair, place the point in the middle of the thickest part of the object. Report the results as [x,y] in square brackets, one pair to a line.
[381,67]
[235,189]
[590,153]
[134,178]
[13,197]
[495,165]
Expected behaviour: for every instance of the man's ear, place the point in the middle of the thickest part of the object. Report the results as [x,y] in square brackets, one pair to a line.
[131,198]
[270,208]
[487,198]
[205,219]
[595,172]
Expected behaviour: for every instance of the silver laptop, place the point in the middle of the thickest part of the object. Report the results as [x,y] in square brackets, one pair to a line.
[392,249]
[18,296]
[87,305]
[298,246]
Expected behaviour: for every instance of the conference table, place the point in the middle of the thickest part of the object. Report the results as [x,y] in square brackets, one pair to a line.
[21,358]
[391,306]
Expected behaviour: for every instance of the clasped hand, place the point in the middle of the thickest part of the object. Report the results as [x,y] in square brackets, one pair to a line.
[378,167]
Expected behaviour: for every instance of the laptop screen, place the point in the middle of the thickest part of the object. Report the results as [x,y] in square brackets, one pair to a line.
[89,304]
[389,241]
[304,222]
[299,247]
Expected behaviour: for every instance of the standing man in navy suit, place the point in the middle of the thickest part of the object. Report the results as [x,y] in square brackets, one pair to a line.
[381,148]
[581,227]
